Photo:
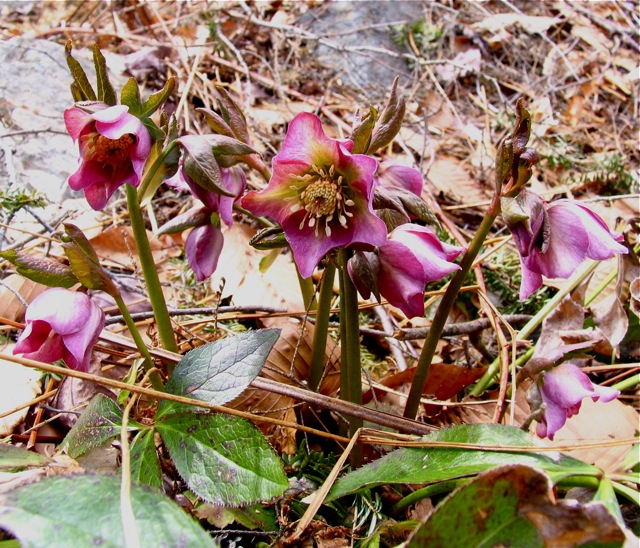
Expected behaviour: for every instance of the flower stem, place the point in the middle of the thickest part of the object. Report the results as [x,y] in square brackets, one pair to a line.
[631,382]
[156,381]
[319,350]
[150,273]
[442,313]
[532,325]
[308,291]
[350,374]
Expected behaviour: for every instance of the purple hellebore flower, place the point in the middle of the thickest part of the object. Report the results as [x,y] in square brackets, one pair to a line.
[204,243]
[61,324]
[563,389]
[411,257]
[557,237]
[114,146]
[320,194]
[392,175]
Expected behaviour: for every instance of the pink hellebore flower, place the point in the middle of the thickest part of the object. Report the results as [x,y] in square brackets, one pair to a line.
[563,389]
[557,238]
[392,175]
[61,324]
[320,194]
[114,146]
[411,257]
[204,243]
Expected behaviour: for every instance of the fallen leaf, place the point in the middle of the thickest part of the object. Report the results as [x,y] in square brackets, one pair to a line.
[18,386]
[11,306]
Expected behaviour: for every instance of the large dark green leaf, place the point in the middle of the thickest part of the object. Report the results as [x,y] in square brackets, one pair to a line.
[434,464]
[84,510]
[145,467]
[100,421]
[219,371]
[223,459]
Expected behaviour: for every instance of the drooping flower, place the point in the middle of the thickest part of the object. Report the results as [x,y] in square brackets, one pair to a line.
[411,257]
[114,146]
[320,194]
[397,176]
[205,241]
[61,325]
[563,389]
[553,239]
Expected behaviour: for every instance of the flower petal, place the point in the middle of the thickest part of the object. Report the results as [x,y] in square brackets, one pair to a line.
[76,120]
[203,248]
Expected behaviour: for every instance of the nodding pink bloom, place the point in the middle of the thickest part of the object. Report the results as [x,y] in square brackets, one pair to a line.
[114,146]
[392,175]
[557,237]
[320,194]
[204,243]
[563,389]
[61,325]
[411,257]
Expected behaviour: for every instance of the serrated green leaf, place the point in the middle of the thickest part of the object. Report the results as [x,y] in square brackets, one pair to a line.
[84,511]
[40,270]
[224,459]
[130,96]
[99,422]
[219,371]
[512,505]
[17,458]
[106,93]
[81,88]
[155,100]
[145,468]
[427,465]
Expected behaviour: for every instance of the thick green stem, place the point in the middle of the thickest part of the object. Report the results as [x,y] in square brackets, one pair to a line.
[442,313]
[428,491]
[150,273]
[156,381]
[319,350]
[350,375]
[308,291]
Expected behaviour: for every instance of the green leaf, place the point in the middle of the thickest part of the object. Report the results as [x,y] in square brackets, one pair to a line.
[607,496]
[16,458]
[80,88]
[361,135]
[433,464]
[106,93]
[513,506]
[40,270]
[219,371]
[145,467]
[100,421]
[166,170]
[84,511]
[223,459]
[130,96]
[155,100]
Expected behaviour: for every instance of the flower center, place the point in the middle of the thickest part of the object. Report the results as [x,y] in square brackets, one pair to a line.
[109,151]
[322,198]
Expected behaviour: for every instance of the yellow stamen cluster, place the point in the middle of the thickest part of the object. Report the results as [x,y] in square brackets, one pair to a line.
[322,198]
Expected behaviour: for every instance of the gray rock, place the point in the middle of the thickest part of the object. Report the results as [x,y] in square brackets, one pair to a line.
[37,152]
[355,36]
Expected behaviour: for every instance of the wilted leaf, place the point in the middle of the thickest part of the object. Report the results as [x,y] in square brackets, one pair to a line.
[35,514]
[17,458]
[223,459]
[99,422]
[513,506]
